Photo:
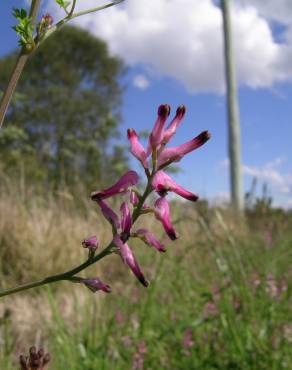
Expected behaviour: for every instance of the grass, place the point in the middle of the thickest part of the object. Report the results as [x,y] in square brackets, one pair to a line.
[218,299]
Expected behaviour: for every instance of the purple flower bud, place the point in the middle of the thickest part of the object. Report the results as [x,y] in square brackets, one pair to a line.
[130,178]
[163,183]
[134,198]
[94,284]
[90,243]
[156,135]
[137,148]
[149,239]
[48,20]
[129,259]
[126,222]
[163,215]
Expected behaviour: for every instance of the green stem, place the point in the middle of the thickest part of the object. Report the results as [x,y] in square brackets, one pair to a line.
[18,68]
[93,10]
[72,8]
[54,278]
[137,211]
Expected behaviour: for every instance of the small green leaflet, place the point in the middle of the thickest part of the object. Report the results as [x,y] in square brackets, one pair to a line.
[24,28]
[63,4]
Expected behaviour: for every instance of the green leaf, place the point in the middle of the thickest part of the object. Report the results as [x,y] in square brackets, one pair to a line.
[63,4]
[24,28]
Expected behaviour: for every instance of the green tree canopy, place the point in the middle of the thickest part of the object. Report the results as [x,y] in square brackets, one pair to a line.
[62,125]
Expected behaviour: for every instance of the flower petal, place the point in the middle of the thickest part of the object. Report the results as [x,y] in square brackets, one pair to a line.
[130,178]
[134,198]
[163,183]
[137,148]
[163,215]
[150,239]
[171,129]
[175,154]
[126,222]
[108,213]
[129,259]
[156,135]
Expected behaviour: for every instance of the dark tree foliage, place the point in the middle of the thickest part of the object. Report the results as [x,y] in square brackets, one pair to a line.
[63,123]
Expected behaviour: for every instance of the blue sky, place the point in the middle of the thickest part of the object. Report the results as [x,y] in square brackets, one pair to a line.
[181,63]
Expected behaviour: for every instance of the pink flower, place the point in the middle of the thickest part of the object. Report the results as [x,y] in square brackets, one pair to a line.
[126,222]
[162,214]
[163,183]
[108,213]
[175,154]
[130,178]
[157,133]
[150,239]
[94,284]
[171,129]
[137,148]
[134,198]
[188,341]
[90,243]
[129,259]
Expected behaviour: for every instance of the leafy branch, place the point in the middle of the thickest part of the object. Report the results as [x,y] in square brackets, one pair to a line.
[30,39]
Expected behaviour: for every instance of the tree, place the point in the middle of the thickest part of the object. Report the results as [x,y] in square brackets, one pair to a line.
[233,114]
[67,112]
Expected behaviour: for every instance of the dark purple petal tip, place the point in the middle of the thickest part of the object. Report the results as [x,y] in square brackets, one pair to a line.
[204,137]
[181,110]
[163,110]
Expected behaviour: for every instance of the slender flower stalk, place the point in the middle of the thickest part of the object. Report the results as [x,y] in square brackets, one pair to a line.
[135,206]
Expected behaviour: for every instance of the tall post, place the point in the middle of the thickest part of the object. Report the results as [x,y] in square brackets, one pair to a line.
[233,112]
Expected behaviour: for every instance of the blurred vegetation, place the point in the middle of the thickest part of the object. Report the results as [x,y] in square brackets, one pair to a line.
[63,124]
[219,298]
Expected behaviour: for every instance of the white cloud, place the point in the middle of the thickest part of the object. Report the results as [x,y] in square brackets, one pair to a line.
[268,173]
[141,82]
[182,39]
[278,10]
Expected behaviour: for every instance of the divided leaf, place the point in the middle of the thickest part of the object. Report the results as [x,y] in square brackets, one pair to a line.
[24,28]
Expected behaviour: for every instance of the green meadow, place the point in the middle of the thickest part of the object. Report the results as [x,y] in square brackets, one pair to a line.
[219,298]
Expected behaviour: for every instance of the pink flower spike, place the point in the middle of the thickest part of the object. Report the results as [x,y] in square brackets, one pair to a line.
[126,222]
[156,135]
[94,284]
[175,154]
[108,213]
[134,198]
[137,148]
[91,243]
[173,126]
[130,178]
[162,214]
[150,239]
[163,183]
[129,259]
